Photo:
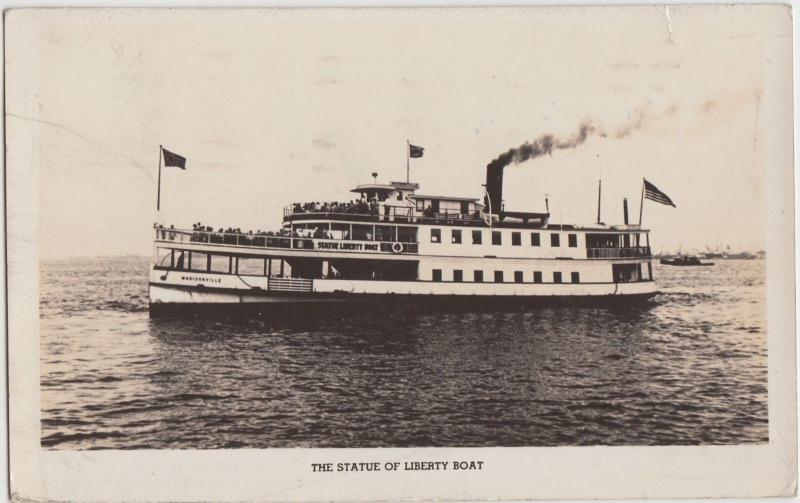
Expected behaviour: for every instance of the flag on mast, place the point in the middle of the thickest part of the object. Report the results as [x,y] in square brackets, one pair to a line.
[415,151]
[173,159]
[652,193]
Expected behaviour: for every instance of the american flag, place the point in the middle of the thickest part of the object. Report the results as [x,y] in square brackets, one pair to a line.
[415,151]
[652,193]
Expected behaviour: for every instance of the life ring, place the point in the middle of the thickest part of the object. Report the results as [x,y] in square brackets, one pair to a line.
[397,247]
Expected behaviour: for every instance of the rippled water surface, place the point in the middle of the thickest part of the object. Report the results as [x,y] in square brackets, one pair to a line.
[688,368]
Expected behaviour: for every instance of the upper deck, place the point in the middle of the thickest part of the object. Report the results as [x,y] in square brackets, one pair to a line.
[398,202]
[393,220]
[554,241]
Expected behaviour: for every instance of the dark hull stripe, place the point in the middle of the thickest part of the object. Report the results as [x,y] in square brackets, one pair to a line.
[293,304]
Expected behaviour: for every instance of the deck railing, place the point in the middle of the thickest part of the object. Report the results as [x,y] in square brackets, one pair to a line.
[286,242]
[395,214]
[290,285]
[627,252]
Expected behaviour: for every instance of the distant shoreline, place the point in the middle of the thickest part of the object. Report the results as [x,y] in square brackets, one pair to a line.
[95,257]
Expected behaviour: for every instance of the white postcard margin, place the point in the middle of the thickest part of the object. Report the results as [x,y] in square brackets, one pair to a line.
[508,473]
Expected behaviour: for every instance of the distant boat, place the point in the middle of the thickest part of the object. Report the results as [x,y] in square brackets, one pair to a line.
[685,260]
[742,256]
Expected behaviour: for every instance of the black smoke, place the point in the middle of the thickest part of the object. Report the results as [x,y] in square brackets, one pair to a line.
[547,143]
[543,145]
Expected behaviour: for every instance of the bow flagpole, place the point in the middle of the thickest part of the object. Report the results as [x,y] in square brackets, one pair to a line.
[170,159]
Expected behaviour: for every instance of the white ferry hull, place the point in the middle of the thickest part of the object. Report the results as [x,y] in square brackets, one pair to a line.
[181,290]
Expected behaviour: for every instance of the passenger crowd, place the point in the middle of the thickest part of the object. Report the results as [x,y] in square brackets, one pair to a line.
[357,207]
[229,235]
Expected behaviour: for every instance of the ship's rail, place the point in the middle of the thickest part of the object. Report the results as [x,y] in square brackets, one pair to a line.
[626,252]
[390,214]
[285,242]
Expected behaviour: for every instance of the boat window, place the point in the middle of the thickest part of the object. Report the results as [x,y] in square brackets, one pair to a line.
[164,257]
[456,236]
[498,276]
[436,235]
[435,205]
[517,276]
[437,275]
[340,231]
[516,239]
[537,276]
[573,240]
[478,276]
[197,261]
[420,205]
[626,273]
[535,239]
[399,195]
[251,266]
[555,240]
[219,263]
[458,275]
[464,207]
[362,232]
[181,260]
[575,277]
[602,241]
[477,237]
[407,234]
[384,233]
[497,238]
[556,277]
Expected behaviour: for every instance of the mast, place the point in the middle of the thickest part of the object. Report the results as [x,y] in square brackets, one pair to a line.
[599,194]
[158,197]
[408,156]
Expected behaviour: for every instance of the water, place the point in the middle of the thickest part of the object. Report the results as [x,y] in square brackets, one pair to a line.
[689,368]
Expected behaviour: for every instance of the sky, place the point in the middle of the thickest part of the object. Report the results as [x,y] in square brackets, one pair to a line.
[275,106]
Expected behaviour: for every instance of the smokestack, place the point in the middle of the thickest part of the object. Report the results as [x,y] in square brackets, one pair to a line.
[494,187]
[625,210]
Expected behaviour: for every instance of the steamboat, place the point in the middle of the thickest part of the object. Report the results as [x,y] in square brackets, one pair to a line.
[394,243]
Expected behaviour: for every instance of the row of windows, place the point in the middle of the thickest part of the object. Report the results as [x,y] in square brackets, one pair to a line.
[519,276]
[497,238]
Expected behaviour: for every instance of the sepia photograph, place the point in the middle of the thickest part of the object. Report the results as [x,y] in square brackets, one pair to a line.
[332,233]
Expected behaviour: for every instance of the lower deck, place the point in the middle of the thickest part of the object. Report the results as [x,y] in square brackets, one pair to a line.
[429,268]
[172,287]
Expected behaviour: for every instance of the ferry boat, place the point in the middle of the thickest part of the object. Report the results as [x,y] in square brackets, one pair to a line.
[685,261]
[395,242]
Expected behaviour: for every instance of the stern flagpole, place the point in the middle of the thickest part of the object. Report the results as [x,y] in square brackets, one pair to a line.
[641,205]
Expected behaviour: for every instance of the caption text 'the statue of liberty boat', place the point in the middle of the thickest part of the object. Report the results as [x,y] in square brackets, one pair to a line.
[396,244]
